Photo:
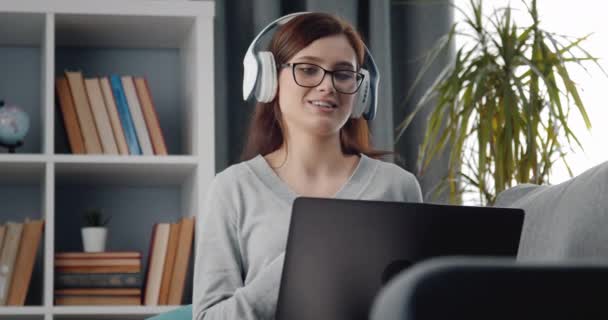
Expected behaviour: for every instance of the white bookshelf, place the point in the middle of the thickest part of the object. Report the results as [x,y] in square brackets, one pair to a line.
[168,42]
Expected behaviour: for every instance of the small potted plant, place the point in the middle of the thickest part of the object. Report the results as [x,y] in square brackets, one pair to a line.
[94,232]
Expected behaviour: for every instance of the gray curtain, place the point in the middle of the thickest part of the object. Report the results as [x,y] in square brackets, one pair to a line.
[396,34]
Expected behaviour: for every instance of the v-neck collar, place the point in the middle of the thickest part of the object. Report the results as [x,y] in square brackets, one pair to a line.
[351,189]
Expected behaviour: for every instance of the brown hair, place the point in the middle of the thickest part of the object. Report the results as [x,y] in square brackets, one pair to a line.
[265,129]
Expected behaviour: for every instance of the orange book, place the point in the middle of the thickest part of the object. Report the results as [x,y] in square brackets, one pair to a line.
[96,262]
[99,255]
[92,144]
[70,120]
[100,115]
[98,292]
[119,134]
[182,258]
[158,252]
[24,265]
[169,261]
[150,115]
[101,269]
[97,300]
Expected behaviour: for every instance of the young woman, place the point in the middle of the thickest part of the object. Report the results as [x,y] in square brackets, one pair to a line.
[303,143]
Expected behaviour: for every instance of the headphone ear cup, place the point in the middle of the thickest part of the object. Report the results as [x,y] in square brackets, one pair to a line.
[266,87]
[362,101]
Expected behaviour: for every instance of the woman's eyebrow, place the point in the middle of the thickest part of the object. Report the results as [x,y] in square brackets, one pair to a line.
[319,60]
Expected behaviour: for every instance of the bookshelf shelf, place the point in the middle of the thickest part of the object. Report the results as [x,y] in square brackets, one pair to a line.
[22,311]
[111,311]
[124,170]
[170,43]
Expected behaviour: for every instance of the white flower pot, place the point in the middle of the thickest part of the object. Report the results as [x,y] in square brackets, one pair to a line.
[94,239]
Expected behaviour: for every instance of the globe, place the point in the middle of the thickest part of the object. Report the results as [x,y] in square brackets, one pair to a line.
[14,125]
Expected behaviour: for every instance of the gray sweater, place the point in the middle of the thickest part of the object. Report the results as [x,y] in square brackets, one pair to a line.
[242,233]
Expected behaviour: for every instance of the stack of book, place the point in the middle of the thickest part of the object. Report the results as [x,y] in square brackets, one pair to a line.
[109,115]
[18,246]
[170,250]
[98,278]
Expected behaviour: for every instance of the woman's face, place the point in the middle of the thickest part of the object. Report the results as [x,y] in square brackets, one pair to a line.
[319,110]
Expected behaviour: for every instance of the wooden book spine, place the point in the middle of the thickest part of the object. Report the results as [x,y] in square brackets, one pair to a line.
[92,143]
[24,265]
[70,119]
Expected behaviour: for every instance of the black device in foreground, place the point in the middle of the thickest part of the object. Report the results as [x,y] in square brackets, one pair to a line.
[341,252]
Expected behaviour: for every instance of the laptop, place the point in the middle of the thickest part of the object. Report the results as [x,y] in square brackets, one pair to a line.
[341,252]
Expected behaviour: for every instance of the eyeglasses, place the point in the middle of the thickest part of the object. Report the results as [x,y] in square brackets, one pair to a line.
[310,75]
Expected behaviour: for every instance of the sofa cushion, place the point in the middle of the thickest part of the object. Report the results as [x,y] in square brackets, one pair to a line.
[564,221]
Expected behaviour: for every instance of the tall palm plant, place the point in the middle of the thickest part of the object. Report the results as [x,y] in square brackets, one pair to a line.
[501,105]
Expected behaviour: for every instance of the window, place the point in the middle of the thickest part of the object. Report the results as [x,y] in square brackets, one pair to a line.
[575,20]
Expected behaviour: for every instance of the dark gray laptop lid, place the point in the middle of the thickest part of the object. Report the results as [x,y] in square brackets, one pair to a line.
[340,252]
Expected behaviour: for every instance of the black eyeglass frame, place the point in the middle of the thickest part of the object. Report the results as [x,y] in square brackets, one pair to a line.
[360,76]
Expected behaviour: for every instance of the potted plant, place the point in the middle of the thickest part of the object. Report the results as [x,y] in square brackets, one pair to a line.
[501,105]
[94,231]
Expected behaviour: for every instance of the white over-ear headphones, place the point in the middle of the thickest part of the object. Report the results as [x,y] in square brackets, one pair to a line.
[260,75]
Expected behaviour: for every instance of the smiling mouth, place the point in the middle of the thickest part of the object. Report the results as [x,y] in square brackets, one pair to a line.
[323,104]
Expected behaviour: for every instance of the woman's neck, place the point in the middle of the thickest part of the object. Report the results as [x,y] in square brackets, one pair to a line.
[313,167]
[311,156]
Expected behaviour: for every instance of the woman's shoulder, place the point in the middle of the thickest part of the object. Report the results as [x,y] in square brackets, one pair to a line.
[389,171]
[234,174]
[391,182]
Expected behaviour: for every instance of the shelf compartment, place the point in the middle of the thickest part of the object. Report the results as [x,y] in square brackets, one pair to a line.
[22,64]
[137,194]
[149,46]
[22,189]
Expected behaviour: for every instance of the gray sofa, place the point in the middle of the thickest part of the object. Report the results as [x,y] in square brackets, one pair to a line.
[567,221]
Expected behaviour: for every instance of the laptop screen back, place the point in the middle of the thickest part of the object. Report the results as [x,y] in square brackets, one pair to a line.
[340,252]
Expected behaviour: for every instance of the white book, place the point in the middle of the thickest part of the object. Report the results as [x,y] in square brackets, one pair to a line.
[156,265]
[138,117]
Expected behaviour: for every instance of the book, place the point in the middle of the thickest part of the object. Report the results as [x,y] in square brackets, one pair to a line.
[125,115]
[99,255]
[97,300]
[97,262]
[182,258]
[99,269]
[92,144]
[7,258]
[2,233]
[100,115]
[150,116]
[156,263]
[70,119]
[100,280]
[110,102]
[98,292]
[24,264]
[169,263]
[137,115]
